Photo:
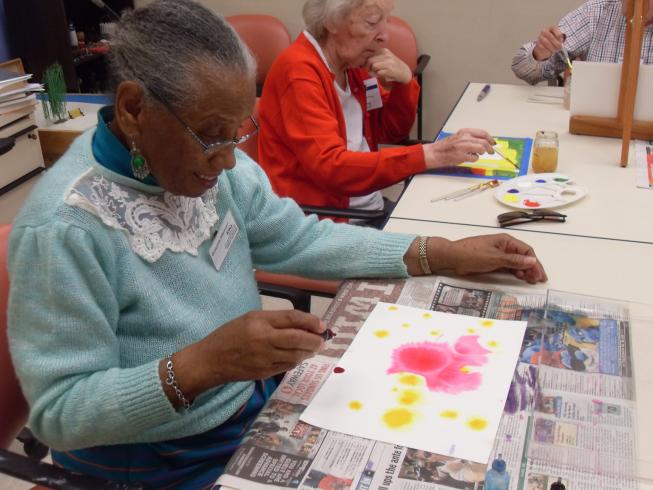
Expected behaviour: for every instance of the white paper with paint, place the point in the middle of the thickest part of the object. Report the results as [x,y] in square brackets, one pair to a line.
[423,379]
[595,90]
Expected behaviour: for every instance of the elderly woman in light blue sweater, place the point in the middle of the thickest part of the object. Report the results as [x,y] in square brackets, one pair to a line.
[133,317]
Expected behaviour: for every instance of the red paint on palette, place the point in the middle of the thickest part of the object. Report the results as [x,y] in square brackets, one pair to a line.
[531,204]
[338,370]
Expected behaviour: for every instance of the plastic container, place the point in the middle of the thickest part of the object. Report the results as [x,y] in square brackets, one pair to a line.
[73,35]
[497,478]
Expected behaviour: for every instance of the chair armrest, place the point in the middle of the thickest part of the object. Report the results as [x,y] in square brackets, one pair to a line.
[344,212]
[315,287]
[54,477]
[301,300]
[422,61]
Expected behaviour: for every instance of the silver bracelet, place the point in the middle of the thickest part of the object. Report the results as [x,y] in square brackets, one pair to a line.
[423,258]
[171,381]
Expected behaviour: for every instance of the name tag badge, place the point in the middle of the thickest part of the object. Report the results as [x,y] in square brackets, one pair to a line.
[224,239]
[373,94]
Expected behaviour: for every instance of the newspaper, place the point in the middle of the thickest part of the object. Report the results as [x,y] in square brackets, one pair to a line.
[570,412]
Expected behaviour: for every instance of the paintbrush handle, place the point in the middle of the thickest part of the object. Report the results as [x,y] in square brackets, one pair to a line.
[455,194]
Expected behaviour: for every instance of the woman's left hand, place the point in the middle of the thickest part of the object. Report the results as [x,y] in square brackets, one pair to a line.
[388,67]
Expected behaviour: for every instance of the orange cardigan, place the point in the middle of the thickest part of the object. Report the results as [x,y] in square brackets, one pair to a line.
[303,141]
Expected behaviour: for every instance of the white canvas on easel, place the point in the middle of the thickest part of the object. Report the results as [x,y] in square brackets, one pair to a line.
[595,90]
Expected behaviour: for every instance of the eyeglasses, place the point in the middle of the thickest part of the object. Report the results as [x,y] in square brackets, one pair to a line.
[207,148]
[518,217]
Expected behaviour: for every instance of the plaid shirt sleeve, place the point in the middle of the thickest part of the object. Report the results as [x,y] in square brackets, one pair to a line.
[578,27]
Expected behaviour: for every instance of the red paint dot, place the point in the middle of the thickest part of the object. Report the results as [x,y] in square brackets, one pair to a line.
[531,204]
[338,370]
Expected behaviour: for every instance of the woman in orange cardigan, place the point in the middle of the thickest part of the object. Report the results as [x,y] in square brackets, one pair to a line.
[323,112]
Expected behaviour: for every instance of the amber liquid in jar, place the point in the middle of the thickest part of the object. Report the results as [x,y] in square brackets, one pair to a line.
[545,152]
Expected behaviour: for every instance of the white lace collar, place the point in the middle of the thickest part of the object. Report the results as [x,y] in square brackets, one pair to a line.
[153,223]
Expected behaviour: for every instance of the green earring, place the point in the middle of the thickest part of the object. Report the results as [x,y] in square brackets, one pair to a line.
[140,168]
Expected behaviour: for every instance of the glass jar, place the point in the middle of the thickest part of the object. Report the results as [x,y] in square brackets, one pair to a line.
[545,152]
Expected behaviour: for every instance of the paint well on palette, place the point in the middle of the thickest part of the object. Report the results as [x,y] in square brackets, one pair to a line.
[531,204]
[513,191]
[510,198]
[541,181]
[440,364]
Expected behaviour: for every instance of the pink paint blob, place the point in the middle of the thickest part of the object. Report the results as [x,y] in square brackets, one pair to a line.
[440,365]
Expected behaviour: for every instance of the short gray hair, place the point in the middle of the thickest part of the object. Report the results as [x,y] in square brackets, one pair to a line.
[162,45]
[318,13]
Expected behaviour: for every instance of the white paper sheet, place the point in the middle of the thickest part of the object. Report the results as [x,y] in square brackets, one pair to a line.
[422,379]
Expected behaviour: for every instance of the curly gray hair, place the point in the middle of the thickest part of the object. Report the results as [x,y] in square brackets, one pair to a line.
[319,13]
[163,44]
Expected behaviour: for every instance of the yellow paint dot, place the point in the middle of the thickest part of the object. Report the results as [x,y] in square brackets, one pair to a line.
[398,418]
[405,325]
[477,423]
[393,308]
[465,369]
[449,414]
[493,343]
[510,198]
[410,380]
[355,405]
[427,315]
[409,397]
[382,334]
[436,333]
[487,323]
[471,330]
[395,390]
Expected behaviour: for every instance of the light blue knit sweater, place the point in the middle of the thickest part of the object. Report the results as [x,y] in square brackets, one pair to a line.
[89,319]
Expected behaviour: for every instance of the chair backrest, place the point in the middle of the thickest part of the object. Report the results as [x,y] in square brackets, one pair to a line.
[251,145]
[265,36]
[13,408]
[402,42]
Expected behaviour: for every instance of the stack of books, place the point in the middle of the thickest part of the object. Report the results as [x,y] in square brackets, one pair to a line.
[17,96]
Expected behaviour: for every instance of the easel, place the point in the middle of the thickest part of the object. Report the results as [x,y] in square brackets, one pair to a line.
[623,125]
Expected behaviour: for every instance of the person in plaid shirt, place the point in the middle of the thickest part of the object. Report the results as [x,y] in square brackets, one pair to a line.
[593,32]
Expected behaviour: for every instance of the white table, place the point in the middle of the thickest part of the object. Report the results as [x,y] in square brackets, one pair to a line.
[605,268]
[615,208]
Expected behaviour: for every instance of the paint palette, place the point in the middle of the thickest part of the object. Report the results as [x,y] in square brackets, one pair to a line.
[534,191]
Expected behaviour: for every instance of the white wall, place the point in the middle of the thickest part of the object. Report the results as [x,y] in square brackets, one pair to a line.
[468,40]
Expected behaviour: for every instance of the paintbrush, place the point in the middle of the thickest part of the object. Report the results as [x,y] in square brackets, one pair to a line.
[327,335]
[567,59]
[505,158]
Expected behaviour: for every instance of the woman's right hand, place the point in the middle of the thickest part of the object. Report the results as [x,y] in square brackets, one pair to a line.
[254,346]
[464,146]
